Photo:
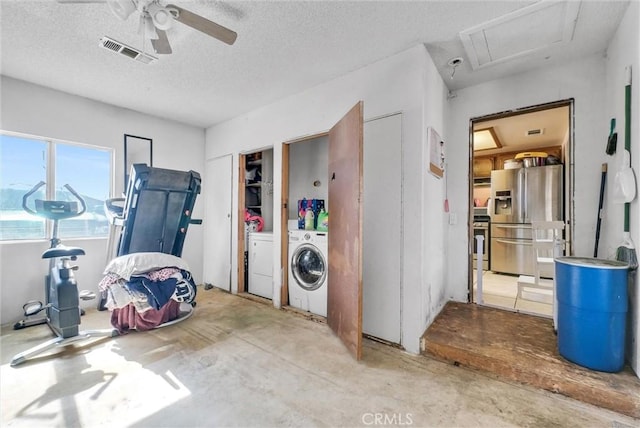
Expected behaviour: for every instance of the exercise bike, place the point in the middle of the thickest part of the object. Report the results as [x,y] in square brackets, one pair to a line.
[62,299]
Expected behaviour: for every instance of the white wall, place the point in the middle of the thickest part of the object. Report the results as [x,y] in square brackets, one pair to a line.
[624,50]
[395,84]
[308,162]
[434,220]
[41,111]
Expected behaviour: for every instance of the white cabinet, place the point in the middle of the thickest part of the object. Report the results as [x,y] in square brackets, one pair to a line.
[261,264]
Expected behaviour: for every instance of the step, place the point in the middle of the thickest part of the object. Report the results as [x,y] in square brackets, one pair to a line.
[523,348]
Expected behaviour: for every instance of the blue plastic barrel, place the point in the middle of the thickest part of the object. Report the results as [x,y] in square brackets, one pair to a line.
[592,311]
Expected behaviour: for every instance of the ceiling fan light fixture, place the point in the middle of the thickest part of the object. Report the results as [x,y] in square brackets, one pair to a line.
[162,18]
[122,8]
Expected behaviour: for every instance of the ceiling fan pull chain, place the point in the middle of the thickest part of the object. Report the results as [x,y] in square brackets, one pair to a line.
[144,27]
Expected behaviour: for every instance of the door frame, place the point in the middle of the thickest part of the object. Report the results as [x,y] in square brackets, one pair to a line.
[284,211]
[344,306]
[242,161]
[569,175]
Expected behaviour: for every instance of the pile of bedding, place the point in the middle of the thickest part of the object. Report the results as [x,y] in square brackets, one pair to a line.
[144,290]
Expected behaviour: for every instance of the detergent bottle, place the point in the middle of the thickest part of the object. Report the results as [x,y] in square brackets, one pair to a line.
[323,220]
[302,207]
[308,219]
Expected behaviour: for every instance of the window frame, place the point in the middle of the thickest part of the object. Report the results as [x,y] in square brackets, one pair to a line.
[50,176]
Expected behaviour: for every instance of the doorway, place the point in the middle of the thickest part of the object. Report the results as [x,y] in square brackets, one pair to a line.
[255,223]
[305,175]
[506,147]
[343,244]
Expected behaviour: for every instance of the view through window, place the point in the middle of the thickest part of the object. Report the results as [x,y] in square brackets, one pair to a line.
[25,161]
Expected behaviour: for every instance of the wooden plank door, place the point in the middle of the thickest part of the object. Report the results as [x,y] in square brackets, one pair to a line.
[344,301]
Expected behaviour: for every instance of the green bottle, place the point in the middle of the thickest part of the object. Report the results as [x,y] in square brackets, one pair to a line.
[323,221]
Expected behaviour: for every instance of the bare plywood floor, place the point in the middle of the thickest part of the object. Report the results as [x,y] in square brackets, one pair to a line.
[523,348]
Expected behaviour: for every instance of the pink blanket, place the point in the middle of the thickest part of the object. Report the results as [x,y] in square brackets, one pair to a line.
[128,318]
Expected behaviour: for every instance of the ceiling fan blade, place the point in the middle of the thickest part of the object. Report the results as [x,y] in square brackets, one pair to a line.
[161,44]
[203,25]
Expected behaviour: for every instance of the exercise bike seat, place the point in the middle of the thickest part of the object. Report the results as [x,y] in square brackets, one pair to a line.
[63,251]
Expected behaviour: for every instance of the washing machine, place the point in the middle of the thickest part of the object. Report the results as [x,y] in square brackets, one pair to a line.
[308,270]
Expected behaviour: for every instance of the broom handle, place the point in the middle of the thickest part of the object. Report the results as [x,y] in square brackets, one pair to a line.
[627,205]
[603,179]
[627,135]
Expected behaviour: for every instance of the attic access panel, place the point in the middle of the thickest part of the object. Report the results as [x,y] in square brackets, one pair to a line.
[523,32]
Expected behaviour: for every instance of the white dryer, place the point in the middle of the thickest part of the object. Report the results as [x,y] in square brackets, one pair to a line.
[261,264]
[308,270]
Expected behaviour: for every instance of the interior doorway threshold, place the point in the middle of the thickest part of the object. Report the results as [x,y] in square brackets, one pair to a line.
[523,348]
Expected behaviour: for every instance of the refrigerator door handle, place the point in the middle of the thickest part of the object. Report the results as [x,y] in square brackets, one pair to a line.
[525,199]
[520,195]
[513,242]
[515,226]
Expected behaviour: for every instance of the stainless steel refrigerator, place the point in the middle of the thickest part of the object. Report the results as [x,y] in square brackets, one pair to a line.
[520,196]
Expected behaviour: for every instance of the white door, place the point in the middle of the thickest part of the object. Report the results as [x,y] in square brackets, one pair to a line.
[217,188]
[382,228]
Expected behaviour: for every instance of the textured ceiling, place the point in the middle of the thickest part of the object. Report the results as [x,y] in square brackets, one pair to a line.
[282,48]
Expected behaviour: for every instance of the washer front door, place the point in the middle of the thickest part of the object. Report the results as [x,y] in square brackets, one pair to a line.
[309,267]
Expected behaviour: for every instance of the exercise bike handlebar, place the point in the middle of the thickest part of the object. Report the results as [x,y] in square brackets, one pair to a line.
[25,198]
[78,197]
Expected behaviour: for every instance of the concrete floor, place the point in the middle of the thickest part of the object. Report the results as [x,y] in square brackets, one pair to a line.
[241,363]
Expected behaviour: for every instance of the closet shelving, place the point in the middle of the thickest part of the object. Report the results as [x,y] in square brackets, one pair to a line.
[254,184]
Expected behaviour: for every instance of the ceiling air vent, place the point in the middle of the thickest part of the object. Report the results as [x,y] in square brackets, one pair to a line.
[522,32]
[128,51]
[532,132]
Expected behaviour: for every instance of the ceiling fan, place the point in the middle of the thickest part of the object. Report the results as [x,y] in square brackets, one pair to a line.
[156,19]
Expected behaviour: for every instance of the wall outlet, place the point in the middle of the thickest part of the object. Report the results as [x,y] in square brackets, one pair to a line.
[453,218]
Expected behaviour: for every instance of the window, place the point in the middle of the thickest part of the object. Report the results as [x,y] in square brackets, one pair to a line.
[25,161]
